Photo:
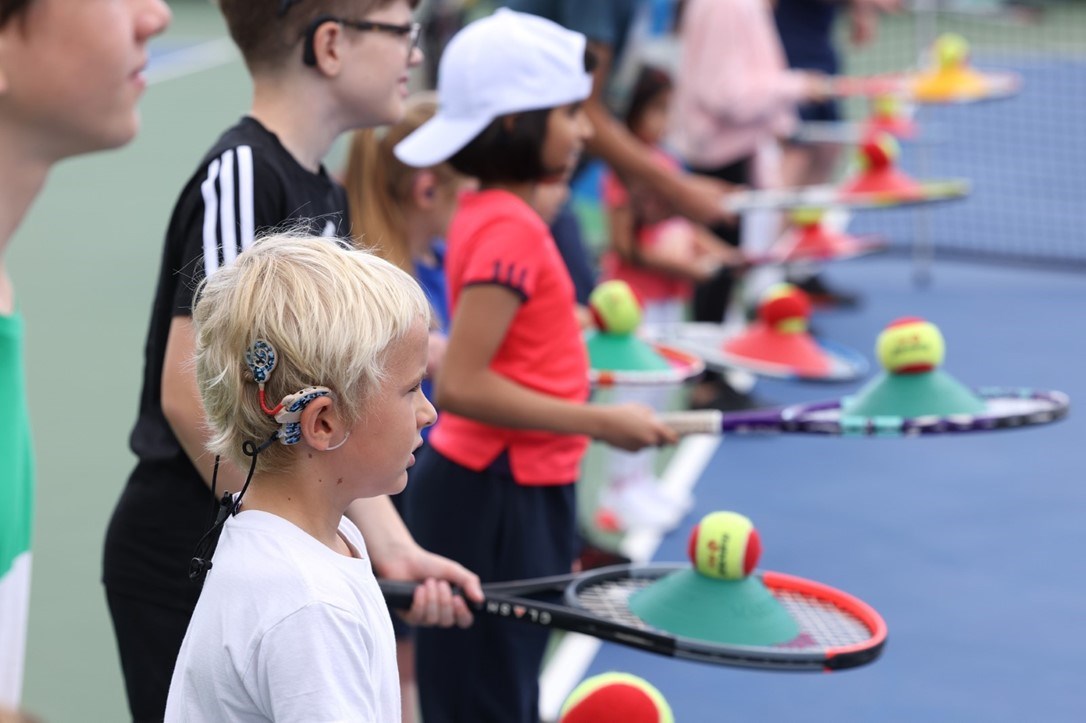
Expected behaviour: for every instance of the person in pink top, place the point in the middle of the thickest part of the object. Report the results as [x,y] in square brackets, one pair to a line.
[734,90]
[734,98]
[494,488]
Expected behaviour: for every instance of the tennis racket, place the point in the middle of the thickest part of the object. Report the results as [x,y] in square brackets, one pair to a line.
[997,84]
[837,630]
[849,133]
[706,340]
[788,251]
[828,196]
[1006,409]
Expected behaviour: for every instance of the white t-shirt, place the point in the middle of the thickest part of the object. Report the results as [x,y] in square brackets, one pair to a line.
[286,630]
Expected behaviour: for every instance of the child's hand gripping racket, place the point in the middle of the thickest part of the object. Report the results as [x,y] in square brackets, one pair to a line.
[765,620]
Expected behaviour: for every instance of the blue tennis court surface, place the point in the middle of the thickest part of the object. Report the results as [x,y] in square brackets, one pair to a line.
[1026,159]
[969,546]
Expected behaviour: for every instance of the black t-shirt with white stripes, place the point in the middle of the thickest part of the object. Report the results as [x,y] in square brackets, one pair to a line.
[247,185]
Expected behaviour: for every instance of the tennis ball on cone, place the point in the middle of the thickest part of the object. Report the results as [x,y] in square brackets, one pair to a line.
[785,308]
[725,545]
[615,307]
[951,50]
[806,216]
[886,106]
[878,151]
[910,345]
[615,698]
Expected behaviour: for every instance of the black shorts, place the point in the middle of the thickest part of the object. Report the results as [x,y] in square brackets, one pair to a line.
[503,531]
[149,635]
[827,110]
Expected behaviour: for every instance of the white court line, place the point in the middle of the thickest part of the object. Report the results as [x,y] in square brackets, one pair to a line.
[188,61]
[576,652]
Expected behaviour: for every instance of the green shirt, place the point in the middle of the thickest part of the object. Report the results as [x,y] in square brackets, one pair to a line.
[16,461]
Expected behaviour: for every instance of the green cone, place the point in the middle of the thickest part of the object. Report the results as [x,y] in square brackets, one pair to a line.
[933,393]
[737,612]
[623,352]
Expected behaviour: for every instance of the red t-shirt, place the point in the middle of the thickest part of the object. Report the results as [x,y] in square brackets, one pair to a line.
[497,238]
[648,284]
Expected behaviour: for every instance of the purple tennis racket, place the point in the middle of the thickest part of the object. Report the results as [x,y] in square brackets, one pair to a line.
[1007,408]
[828,196]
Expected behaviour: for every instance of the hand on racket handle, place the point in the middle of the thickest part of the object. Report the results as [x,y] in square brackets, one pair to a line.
[702,421]
[441,590]
[704,199]
[633,427]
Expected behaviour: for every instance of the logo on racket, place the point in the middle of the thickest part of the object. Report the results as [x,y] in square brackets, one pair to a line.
[520,612]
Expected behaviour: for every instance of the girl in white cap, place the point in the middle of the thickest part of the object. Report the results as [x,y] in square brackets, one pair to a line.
[494,487]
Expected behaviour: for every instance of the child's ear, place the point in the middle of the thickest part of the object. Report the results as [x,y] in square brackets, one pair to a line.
[325,47]
[321,424]
[424,188]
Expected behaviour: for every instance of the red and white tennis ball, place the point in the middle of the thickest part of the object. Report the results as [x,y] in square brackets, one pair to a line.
[785,308]
[615,698]
[951,50]
[725,545]
[910,345]
[879,150]
[615,307]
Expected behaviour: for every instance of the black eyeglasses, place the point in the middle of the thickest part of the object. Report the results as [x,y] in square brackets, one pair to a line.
[411,31]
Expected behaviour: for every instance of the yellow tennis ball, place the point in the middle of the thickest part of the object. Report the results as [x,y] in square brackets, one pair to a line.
[879,150]
[910,345]
[615,307]
[806,216]
[951,50]
[615,698]
[725,545]
[785,308]
[886,106]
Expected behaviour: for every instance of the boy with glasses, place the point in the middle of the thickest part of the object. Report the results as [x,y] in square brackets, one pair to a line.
[319,68]
[70,78]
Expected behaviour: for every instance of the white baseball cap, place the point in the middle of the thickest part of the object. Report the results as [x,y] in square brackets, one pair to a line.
[504,63]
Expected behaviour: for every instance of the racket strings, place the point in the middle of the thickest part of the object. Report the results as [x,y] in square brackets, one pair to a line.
[610,599]
[823,625]
[1003,408]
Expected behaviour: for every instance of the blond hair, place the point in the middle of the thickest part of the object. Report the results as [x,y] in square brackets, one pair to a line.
[331,313]
[379,184]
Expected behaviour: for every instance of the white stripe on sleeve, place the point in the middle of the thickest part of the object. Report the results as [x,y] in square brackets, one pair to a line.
[211,219]
[227,228]
[245,196]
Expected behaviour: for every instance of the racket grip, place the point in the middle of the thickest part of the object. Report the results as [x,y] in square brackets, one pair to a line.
[708,421]
[400,594]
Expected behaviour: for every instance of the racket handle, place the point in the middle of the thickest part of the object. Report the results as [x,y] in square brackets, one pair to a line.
[708,421]
[400,594]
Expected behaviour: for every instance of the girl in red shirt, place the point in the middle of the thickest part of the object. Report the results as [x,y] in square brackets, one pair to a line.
[494,488]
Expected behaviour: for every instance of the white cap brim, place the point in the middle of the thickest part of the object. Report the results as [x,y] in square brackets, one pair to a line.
[438,140]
